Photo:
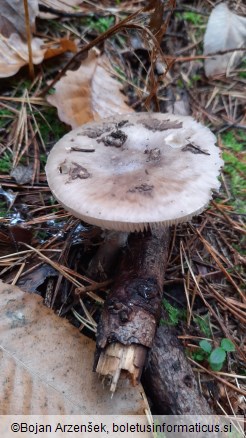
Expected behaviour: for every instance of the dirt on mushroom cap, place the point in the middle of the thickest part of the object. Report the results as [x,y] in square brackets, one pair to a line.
[132,171]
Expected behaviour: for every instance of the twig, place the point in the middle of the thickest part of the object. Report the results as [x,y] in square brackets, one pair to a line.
[216,258]
[29,39]
[59,13]
[216,376]
[89,46]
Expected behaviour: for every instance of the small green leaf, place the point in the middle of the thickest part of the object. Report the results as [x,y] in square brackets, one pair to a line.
[206,346]
[199,356]
[216,367]
[217,356]
[227,345]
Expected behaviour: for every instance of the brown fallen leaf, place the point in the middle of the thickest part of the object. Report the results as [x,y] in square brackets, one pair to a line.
[13,45]
[89,93]
[12,17]
[60,5]
[62,46]
[14,54]
[45,364]
[31,281]
[20,234]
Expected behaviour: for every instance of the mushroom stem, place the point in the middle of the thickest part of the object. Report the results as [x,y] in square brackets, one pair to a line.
[106,257]
[132,310]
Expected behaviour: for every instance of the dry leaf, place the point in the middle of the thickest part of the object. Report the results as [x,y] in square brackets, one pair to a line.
[32,280]
[46,364]
[62,46]
[22,174]
[13,48]
[89,93]
[12,17]
[225,31]
[14,54]
[61,5]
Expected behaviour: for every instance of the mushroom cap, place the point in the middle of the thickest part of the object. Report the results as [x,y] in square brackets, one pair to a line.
[134,171]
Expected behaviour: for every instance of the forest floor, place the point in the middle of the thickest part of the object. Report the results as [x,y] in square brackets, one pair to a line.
[45,250]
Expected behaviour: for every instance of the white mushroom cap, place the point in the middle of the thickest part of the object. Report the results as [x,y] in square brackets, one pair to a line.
[132,171]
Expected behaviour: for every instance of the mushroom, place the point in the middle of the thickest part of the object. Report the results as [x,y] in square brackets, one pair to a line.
[129,173]
[140,172]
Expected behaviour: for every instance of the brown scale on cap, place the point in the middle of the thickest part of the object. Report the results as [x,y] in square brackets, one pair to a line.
[115,138]
[133,171]
[143,188]
[160,125]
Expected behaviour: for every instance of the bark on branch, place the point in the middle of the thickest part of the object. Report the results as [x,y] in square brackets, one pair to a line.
[127,331]
[169,379]
[132,310]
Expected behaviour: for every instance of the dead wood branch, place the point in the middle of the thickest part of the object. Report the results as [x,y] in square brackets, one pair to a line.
[169,378]
[132,309]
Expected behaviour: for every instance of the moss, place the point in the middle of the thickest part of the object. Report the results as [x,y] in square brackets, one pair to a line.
[3,209]
[100,25]
[235,167]
[175,315]
[50,127]
[193,18]
[5,116]
[5,163]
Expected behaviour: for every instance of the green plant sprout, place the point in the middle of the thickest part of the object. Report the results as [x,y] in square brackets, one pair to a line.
[192,17]
[100,25]
[215,357]
[174,314]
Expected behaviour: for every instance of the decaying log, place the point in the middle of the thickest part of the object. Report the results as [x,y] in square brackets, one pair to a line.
[132,310]
[169,379]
